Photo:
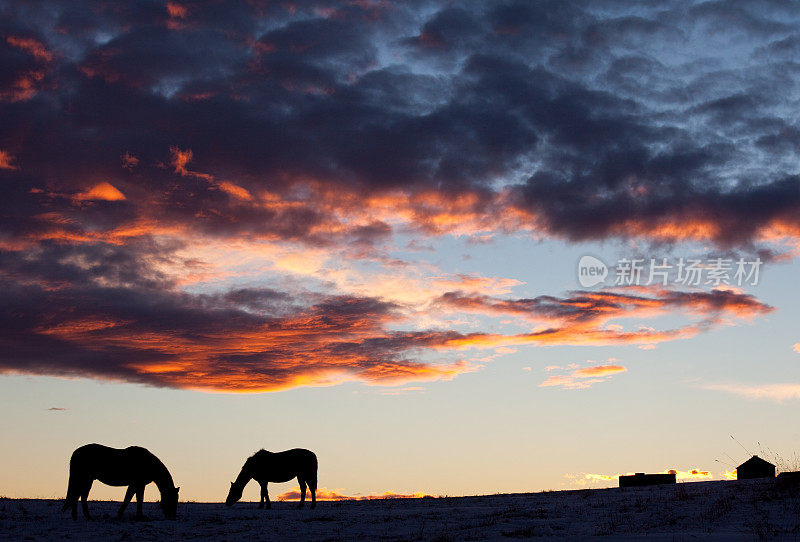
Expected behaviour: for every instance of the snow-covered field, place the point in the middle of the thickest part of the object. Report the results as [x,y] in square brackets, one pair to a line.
[743,510]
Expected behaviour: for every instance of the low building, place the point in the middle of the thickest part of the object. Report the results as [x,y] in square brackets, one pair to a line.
[793,476]
[755,467]
[642,479]
[788,480]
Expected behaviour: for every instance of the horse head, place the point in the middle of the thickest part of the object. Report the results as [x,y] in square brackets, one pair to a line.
[234,494]
[169,503]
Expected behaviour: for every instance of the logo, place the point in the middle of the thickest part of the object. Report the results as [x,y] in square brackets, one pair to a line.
[591,271]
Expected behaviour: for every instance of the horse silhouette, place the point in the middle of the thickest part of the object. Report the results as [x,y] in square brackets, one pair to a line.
[134,467]
[265,467]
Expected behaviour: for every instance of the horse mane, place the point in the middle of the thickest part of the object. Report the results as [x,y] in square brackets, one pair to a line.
[249,462]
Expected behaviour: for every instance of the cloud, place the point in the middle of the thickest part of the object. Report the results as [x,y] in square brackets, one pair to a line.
[200,342]
[102,191]
[773,392]
[582,317]
[324,494]
[580,378]
[308,138]
[483,119]
[117,311]
[599,370]
[6,160]
[569,382]
[30,46]
[57,409]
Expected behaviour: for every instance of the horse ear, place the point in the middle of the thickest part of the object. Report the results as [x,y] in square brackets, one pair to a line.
[231,484]
[177,489]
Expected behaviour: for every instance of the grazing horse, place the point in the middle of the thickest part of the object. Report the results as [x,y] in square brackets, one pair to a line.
[265,467]
[134,467]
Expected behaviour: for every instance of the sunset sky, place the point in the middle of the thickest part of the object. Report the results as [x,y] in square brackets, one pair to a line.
[355,227]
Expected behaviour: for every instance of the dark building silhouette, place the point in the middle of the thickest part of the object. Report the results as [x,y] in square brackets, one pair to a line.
[789,481]
[791,476]
[642,479]
[755,467]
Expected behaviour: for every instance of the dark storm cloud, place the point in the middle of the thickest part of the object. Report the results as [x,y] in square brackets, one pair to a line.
[586,99]
[335,124]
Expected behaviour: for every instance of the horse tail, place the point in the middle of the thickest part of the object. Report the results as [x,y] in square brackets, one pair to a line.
[314,468]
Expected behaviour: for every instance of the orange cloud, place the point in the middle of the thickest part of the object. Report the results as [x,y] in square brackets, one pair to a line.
[599,370]
[6,160]
[583,317]
[344,339]
[324,494]
[581,378]
[25,82]
[101,192]
[245,350]
[180,159]
[235,190]
[24,87]
[226,349]
[177,15]
[31,46]
[176,10]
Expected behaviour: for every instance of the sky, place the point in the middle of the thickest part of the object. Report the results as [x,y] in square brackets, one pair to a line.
[454,248]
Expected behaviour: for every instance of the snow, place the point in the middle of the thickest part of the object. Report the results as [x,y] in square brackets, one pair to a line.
[738,510]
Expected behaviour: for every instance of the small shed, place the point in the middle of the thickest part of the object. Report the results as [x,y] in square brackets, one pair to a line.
[755,467]
[642,479]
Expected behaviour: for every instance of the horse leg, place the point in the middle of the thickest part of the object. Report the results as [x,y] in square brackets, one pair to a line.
[265,495]
[312,485]
[139,499]
[84,495]
[73,494]
[261,499]
[74,497]
[128,496]
[302,491]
